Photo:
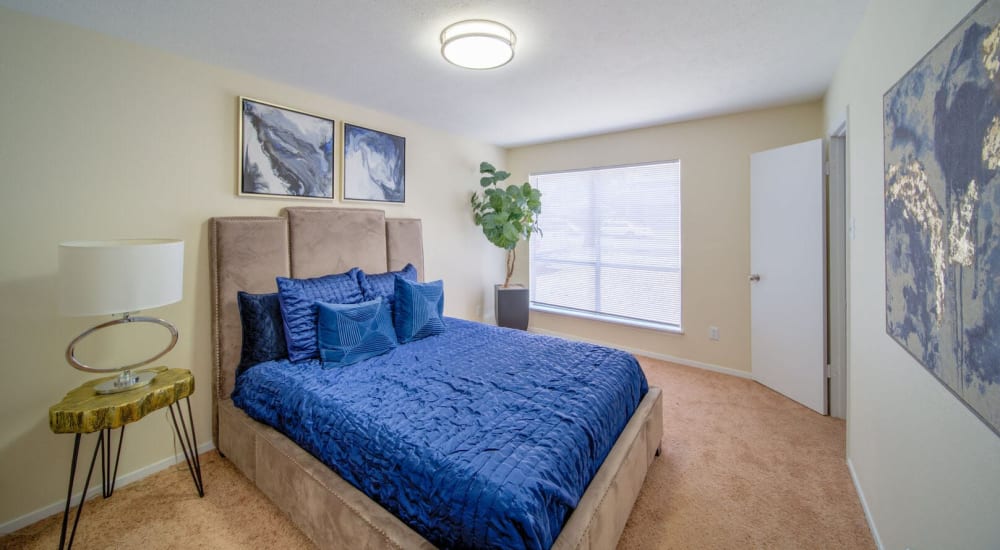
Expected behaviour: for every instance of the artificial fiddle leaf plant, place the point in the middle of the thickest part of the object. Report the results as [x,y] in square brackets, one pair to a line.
[506,215]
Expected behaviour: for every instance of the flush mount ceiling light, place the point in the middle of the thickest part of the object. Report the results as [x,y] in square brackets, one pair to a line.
[478,44]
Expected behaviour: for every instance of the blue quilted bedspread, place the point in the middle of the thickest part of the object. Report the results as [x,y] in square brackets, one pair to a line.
[481,437]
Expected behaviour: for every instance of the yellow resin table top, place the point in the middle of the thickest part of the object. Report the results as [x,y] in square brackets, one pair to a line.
[84,411]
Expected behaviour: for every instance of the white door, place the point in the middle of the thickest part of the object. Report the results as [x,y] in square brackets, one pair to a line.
[787,272]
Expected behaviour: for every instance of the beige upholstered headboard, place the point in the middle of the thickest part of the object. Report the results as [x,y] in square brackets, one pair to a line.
[247,253]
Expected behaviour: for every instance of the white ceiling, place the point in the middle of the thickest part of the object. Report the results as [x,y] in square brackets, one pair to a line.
[581,67]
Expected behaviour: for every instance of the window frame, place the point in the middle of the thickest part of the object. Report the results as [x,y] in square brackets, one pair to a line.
[608,317]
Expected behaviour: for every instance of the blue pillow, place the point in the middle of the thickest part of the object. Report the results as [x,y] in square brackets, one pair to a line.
[383,285]
[298,312]
[263,333]
[351,333]
[419,309]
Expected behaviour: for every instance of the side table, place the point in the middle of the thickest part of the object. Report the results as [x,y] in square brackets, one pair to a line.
[84,411]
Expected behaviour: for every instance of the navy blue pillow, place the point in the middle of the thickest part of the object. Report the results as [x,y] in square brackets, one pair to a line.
[298,311]
[351,333]
[263,333]
[419,310]
[383,285]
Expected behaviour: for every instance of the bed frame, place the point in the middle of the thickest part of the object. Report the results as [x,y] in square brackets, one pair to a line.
[247,253]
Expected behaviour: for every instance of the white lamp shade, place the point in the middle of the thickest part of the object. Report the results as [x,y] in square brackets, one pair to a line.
[120,276]
[478,44]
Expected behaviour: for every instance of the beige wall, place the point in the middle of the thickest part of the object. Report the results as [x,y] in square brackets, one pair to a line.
[103,139]
[928,469]
[715,223]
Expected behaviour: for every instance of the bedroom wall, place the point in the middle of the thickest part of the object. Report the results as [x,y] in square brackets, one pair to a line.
[104,139]
[715,223]
[927,469]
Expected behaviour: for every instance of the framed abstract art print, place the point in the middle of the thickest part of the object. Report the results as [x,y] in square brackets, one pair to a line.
[284,152]
[941,125]
[374,165]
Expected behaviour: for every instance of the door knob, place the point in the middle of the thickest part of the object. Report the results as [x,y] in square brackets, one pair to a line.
[754,277]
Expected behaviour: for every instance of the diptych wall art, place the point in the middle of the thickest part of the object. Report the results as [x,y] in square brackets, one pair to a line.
[284,152]
[942,211]
[374,165]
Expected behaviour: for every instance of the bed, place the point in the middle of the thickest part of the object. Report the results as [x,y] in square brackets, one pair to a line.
[247,254]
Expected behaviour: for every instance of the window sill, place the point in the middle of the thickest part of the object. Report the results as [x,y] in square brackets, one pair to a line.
[606,319]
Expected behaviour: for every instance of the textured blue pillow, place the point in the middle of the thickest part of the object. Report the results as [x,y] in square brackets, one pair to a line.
[298,312]
[351,333]
[383,285]
[263,333]
[419,309]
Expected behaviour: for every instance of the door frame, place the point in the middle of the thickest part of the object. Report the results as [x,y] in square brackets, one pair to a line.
[840,233]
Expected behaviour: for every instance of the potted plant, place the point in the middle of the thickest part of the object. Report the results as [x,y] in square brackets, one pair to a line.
[507,215]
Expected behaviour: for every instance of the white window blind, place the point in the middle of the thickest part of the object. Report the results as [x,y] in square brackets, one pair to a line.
[611,244]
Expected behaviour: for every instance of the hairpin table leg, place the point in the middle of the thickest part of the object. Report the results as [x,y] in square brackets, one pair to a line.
[189,444]
[83,497]
[108,476]
[69,494]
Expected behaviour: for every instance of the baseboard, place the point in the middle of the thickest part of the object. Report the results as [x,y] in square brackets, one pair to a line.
[650,354]
[864,505]
[123,480]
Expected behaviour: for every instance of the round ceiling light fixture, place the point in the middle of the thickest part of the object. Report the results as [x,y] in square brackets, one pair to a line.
[478,44]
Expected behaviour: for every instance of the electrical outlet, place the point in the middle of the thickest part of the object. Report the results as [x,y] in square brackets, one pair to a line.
[713,333]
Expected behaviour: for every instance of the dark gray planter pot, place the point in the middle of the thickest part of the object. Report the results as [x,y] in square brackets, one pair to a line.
[511,306]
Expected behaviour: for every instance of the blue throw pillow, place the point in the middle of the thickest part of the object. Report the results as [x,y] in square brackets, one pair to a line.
[351,333]
[419,309]
[263,333]
[383,285]
[298,312]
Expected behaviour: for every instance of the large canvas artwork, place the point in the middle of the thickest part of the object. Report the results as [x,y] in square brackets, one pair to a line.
[942,211]
[374,165]
[284,152]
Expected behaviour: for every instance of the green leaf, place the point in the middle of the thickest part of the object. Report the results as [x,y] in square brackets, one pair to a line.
[486,181]
[510,233]
[501,175]
[513,191]
[486,168]
[526,189]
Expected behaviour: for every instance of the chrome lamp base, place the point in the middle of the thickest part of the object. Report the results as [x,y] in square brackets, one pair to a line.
[125,381]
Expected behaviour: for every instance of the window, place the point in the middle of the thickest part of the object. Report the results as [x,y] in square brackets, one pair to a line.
[610,247]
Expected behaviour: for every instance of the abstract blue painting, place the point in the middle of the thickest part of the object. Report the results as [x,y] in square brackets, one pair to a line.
[942,211]
[284,152]
[374,165]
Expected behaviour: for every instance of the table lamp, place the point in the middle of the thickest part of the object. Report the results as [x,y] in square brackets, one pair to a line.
[120,277]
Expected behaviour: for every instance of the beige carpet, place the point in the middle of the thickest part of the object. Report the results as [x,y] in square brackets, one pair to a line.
[743,467]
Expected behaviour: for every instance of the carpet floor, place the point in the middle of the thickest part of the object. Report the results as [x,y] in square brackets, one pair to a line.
[743,467]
